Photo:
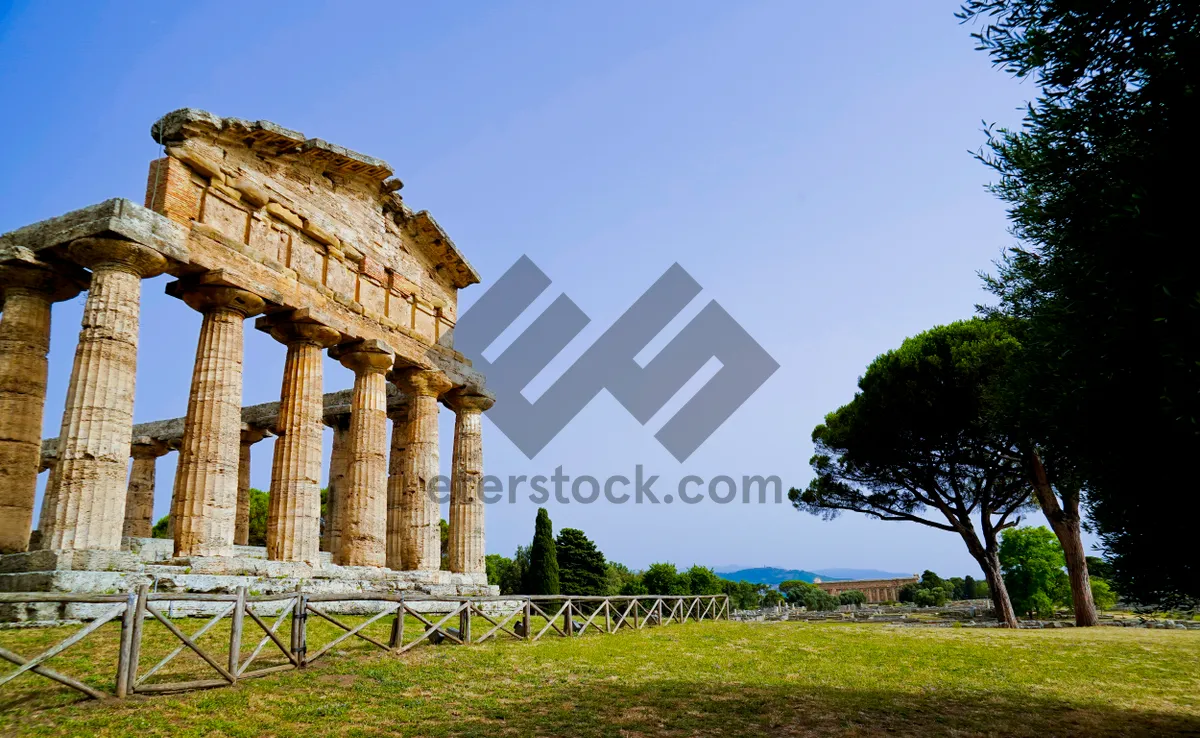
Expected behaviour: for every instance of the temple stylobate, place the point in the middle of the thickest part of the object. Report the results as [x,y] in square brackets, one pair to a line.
[313,243]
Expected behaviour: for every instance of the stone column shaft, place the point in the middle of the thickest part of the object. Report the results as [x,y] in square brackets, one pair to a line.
[49,502]
[362,502]
[420,536]
[206,481]
[241,525]
[241,520]
[97,422]
[294,515]
[395,489]
[466,502]
[24,343]
[139,499]
[331,539]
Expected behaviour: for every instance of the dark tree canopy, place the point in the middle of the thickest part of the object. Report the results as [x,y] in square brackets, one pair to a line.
[581,566]
[918,444]
[1106,278]
[543,558]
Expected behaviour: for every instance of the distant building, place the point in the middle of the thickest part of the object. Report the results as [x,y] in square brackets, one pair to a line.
[876,590]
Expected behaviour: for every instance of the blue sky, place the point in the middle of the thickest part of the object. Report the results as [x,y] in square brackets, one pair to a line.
[807,163]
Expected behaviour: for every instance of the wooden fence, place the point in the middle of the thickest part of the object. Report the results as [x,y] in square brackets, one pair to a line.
[566,616]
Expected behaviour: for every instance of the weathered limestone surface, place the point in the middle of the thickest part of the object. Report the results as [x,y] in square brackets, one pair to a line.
[314,226]
[420,537]
[27,292]
[206,480]
[294,515]
[395,487]
[362,503]
[241,527]
[250,217]
[149,561]
[331,540]
[90,505]
[264,415]
[139,499]
[116,218]
[467,550]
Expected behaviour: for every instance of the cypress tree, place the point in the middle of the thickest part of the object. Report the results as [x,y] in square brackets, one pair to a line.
[543,559]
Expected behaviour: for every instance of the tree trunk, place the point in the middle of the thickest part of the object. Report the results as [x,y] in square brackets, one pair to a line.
[985,554]
[1065,522]
[990,563]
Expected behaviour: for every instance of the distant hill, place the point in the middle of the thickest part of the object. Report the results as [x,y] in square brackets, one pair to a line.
[771,575]
[860,574]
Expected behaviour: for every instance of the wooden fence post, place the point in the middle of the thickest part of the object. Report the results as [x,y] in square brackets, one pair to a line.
[299,625]
[569,627]
[464,623]
[397,637]
[126,645]
[235,632]
[525,620]
[135,646]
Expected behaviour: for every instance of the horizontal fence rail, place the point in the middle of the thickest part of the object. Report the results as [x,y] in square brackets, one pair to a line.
[510,616]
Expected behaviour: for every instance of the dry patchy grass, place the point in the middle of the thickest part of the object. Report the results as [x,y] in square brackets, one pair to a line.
[711,678]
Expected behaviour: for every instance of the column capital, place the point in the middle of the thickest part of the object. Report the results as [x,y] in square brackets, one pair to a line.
[56,284]
[399,412]
[145,447]
[369,355]
[337,421]
[128,256]
[468,402]
[290,328]
[416,382]
[205,295]
[252,434]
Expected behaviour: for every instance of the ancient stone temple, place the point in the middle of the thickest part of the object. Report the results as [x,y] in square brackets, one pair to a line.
[312,242]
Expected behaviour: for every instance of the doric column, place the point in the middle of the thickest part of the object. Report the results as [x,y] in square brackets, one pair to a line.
[420,541]
[331,537]
[362,502]
[241,524]
[466,477]
[139,498]
[49,496]
[206,481]
[395,488]
[27,291]
[97,422]
[294,514]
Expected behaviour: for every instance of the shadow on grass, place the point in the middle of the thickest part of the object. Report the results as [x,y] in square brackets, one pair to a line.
[680,708]
[363,706]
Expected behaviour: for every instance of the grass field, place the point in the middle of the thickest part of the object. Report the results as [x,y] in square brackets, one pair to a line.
[711,678]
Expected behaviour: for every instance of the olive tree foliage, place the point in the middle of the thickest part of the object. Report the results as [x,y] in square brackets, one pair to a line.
[918,444]
[1103,281]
